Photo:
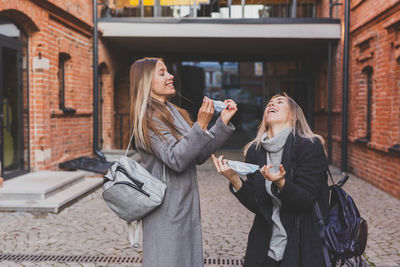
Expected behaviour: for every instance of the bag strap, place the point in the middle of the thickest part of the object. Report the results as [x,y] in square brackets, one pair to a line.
[330,175]
[163,179]
[127,150]
[134,239]
[321,224]
[134,234]
[129,144]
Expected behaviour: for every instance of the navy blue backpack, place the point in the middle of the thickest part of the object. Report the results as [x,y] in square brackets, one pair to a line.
[344,232]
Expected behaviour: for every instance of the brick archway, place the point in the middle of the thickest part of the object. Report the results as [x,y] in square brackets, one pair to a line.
[21,19]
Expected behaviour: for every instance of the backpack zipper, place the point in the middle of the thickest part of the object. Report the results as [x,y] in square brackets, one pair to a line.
[138,183]
[134,187]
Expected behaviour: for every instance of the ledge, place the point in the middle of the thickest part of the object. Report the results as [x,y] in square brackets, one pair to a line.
[78,112]
[395,148]
[319,29]
[74,21]
[365,40]
[363,140]
[393,23]
[365,57]
[222,21]
[356,4]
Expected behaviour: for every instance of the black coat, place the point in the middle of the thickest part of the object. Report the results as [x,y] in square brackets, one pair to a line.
[305,182]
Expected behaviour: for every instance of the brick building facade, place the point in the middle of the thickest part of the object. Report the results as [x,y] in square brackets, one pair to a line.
[373,92]
[59,40]
[60,58]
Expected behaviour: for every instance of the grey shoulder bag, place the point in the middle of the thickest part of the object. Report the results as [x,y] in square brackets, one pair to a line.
[132,192]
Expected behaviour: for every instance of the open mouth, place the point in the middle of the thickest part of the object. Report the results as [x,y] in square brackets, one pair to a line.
[272,110]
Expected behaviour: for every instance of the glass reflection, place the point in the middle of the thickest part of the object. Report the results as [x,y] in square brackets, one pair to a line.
[9,29]
[10,105]
[217,9]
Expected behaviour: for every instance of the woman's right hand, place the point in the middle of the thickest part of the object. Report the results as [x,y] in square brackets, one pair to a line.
[222,167]
[206,112]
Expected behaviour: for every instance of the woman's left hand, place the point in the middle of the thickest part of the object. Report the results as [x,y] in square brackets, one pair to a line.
[278,178]
[229,111]
[222,167]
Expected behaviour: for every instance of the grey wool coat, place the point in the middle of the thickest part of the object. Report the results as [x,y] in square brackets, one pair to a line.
[172,234]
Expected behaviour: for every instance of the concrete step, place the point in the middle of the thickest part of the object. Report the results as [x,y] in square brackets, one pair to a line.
[55,202]
[38,185]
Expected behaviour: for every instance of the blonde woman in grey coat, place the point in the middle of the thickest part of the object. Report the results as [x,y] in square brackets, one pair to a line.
[165,136]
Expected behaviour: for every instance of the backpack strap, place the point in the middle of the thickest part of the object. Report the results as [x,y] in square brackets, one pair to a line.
[321,224]
[134,239]
[134,234]
[330,175]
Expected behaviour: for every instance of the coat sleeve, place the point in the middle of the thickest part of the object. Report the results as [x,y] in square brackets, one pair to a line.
[220,132]
[178,154]
[311,165]
[247,193]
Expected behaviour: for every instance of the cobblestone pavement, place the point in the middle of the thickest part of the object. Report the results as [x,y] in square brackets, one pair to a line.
[89,228]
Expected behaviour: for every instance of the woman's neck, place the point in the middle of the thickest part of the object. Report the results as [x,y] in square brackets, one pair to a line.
[159,98]
[275,129]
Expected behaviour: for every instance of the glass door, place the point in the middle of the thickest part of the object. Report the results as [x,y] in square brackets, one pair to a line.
[11,115]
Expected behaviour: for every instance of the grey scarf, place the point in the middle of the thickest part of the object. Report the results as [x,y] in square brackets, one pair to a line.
[274,147]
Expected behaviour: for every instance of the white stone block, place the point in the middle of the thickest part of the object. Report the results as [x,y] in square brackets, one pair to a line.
[41,63]
[42,155]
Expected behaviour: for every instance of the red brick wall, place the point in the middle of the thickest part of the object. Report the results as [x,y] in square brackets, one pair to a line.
[323,9]
[373,45]
[79,8]
[121,102]
[108,106]
[363,11]
[54,136]
[374,42]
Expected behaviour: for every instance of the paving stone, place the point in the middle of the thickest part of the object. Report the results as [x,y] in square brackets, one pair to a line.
[89,227]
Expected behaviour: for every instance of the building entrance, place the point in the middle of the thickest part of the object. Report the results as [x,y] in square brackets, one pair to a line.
[13,102]
[250,85]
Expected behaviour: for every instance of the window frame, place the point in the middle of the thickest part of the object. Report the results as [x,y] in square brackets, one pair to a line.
[63,58]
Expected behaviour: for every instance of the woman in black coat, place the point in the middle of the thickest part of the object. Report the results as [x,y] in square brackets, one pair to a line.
[283,192]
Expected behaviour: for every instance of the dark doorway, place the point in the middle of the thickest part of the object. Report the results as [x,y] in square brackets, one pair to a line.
[250,84]
[14,112]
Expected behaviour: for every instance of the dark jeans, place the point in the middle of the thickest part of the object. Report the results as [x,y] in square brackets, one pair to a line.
[269,262]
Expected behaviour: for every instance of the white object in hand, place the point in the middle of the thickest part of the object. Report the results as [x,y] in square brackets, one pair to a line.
[242,168]
[219,106]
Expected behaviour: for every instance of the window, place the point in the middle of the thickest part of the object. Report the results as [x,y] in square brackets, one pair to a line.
[368,73]
[368,116]
[217,78]
[62,59]
[10,29]
[208,78]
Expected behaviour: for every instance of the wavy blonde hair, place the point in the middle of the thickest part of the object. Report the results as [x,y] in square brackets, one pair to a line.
[299,124]
[144,108]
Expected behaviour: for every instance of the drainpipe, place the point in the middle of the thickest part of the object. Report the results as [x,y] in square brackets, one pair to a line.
[330,45]
[330,101]
[96,150]
[345,86]
[330,91]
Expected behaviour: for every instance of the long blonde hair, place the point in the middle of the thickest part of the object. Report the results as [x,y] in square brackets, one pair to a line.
[144,108]
[299,124]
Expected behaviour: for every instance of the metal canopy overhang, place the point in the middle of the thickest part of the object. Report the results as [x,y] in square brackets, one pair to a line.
[233,38]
